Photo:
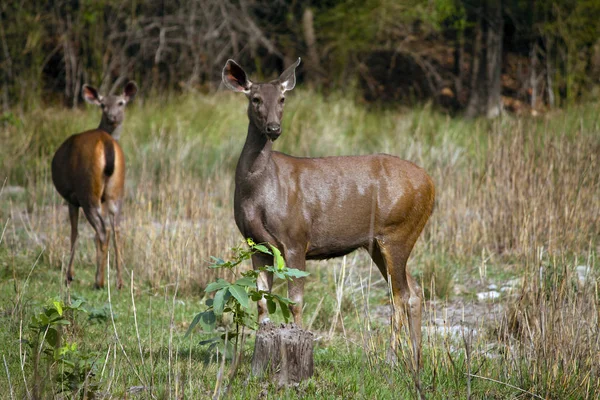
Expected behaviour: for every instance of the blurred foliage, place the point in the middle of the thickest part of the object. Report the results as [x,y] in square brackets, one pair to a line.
[387,49]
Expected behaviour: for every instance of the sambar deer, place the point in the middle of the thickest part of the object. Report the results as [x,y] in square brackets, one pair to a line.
[320,208]
[88,170]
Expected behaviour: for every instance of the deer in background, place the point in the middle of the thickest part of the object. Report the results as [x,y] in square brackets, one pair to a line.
[88,170]
[320,208]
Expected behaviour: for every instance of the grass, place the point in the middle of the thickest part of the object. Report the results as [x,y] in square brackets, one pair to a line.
[515,198]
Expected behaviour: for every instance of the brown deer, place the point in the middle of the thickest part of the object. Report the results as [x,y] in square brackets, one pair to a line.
[320,208]
[88,170]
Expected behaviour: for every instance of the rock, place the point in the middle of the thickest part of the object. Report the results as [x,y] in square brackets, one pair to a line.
[492,294]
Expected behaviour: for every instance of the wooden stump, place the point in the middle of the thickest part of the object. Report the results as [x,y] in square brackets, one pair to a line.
[285,350]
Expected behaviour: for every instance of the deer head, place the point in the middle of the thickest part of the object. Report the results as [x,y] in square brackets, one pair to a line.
[266,100]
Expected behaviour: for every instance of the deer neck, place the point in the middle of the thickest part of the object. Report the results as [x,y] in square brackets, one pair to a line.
[255,160]
[111,129]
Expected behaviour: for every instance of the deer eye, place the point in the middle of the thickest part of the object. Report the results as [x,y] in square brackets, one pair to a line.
[282,100]
[121,103]
[256,100]
[102,105]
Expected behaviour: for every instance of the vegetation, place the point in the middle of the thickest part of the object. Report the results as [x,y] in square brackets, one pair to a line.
[475,56]
[516,199]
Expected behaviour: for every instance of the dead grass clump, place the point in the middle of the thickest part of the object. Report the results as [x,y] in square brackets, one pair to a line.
[552,331]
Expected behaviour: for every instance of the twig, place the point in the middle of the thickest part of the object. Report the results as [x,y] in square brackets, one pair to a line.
[112,318]
[137,332]
[506,384]
[8,376]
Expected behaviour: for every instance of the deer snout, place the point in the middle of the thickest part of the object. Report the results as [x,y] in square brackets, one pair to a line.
[273,130]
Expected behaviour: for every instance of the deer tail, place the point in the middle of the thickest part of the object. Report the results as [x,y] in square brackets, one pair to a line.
[109,156]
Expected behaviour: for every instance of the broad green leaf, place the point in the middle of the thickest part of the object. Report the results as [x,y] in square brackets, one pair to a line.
[296,273]
[256,296]
[217,260]
[279,275]
[219,284]
[262,249]
[58,307]
[283,299]
[208,321]
[246,281]
[52,337]
[193,324]
[219,301]
[278,258]
[240,294]
[285,310]
[271,306]
[208,302]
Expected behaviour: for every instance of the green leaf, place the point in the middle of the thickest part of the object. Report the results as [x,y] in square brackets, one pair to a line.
[240,294]
[262,248]
[296,273]
[285,310]
[279,275]
[246,281]
[256,296]
[193,324]
[219,284]
[52,337]
[58,307]
[208,321]
[271,306]
[219,301]
[217,260]
[209,341]
[278,258]
[283,299]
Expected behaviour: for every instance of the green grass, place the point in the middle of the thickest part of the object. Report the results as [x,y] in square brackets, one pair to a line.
[512,195]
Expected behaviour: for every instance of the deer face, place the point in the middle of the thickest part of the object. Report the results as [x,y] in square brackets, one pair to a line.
[113,106]
[266,100]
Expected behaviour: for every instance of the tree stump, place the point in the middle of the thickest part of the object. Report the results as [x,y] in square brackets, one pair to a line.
[286,351]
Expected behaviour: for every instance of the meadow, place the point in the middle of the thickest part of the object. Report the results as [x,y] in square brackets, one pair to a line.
[517,208]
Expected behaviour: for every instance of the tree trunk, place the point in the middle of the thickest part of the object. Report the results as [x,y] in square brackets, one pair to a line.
[486,88]
[478,88]
[313,66]
[286,351]
[495,33]
[533,75]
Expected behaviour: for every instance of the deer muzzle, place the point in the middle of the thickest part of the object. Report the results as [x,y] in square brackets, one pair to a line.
[273,130]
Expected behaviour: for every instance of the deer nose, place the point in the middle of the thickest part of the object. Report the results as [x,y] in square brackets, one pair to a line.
[273,129]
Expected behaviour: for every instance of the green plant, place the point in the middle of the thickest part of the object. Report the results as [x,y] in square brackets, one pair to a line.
[74,367]
[235,297]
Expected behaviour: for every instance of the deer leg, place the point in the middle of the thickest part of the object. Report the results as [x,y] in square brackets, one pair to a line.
[74,218]
[94,216]
[406,299]
[296,259]
[114,222]
[264,282]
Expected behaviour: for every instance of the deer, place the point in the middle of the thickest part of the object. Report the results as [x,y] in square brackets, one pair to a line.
[321,208]
[88,171]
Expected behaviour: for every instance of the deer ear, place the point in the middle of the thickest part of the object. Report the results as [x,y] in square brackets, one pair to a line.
[287,79]
[91,95]
[235,78]
[130,91]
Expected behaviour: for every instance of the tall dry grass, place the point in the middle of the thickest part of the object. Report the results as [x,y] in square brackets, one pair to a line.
[518,195]
[503,188]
